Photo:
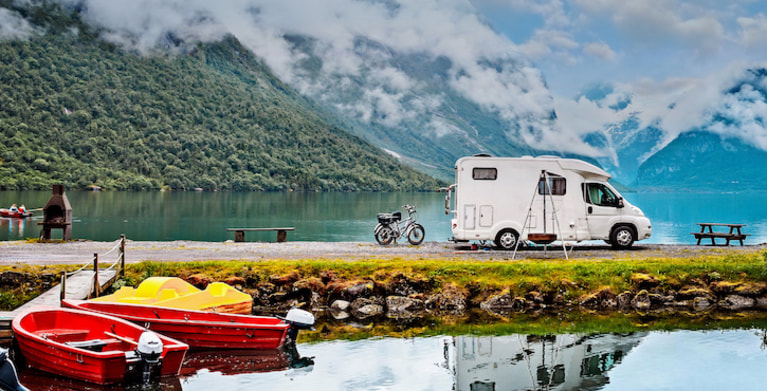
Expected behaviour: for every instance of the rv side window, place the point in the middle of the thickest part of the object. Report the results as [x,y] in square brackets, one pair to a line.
[484,174]
[599,194]
[556,186]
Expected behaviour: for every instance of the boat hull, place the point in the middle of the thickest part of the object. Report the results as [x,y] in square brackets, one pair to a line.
[14,215]
[48,339]
[198,329]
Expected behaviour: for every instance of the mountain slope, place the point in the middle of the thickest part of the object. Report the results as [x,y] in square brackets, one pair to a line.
[84,112]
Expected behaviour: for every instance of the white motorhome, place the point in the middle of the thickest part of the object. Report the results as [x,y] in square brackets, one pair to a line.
[540,199]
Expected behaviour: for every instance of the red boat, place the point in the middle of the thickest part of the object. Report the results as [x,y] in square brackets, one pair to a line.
[15,214]
[93,347]
[206,330]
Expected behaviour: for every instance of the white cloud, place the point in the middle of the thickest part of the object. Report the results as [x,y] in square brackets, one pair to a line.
[12,25]
[753,32]
[600,50]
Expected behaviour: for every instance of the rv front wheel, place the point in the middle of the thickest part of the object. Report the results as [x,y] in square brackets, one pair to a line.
[506,239]
[622,237]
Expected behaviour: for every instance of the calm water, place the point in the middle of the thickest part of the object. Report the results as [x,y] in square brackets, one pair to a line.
[204,216]
[679,360]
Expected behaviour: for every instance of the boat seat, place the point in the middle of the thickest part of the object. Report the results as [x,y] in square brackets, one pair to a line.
[95,345]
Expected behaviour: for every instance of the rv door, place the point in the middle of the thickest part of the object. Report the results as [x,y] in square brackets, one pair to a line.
[602,205]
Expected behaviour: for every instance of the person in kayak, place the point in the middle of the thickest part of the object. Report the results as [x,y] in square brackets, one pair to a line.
[14,208]
[22,209]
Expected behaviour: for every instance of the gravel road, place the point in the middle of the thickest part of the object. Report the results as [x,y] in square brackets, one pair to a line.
[79,252]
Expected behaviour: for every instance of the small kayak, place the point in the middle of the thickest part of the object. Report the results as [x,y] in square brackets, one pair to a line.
[14,214]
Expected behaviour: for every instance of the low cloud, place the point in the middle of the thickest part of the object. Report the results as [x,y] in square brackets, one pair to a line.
[13,26]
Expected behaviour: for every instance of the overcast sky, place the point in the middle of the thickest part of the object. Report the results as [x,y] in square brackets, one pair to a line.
[577,42]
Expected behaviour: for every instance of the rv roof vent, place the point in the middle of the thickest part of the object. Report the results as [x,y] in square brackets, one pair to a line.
[482,155]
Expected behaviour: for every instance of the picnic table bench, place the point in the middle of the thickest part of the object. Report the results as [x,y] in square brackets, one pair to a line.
[707,232]
[282,232]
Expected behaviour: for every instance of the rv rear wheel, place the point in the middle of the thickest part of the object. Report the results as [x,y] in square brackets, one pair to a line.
[622,237]
[506,239]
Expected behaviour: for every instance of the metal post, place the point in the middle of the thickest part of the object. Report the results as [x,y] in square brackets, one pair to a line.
[63,294]
[122,255]
[96,275]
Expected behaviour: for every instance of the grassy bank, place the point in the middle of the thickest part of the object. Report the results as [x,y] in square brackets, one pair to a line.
[562,288]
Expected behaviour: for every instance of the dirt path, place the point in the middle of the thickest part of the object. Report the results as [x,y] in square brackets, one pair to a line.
[80,252]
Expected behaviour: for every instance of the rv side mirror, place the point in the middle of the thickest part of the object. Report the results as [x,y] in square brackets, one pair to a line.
[619,204]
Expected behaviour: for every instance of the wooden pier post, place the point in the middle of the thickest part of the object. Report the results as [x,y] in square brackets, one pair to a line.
[122,255]
[63,294]
[96,284]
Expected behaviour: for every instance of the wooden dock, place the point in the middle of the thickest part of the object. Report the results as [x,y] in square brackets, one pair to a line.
[78,286]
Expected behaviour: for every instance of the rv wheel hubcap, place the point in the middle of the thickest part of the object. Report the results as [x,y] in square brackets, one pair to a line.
[624,237]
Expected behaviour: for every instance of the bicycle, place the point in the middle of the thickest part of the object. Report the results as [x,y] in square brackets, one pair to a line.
[391,227]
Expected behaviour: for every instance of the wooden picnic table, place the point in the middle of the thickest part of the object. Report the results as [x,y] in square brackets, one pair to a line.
[707,232]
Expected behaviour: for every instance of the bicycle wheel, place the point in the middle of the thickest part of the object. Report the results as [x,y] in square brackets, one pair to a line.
[416,234]
[385,236]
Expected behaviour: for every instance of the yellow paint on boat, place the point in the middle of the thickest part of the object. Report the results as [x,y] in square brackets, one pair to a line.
[174,292]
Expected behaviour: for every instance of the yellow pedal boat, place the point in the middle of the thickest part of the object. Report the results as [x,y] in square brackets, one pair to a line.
[174,292]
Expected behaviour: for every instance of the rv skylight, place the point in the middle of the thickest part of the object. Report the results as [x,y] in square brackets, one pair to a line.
[484,174]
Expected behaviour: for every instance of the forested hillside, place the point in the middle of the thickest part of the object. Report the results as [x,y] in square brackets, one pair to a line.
[79,111]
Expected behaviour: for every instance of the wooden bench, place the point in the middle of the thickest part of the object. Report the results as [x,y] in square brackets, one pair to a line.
[707,232]
[282,232]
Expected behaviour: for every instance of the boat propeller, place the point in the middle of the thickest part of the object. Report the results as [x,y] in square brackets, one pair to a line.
[9,379]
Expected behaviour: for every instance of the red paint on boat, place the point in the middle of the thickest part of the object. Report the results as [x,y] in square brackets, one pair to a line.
[47,338]
[14,214]
[198,329]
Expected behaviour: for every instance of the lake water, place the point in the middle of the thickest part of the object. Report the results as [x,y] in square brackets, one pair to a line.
[653,360]
[334,217]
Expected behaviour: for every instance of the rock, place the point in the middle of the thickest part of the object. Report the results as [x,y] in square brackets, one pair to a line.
[761,303]
[339,309]
[723,287]
[199,280]
[701,303]
[237,282]
[641,301]
[644,281]
[451,299]
[403,307]
[498,302]
[737,303]
[288,279]
[751,289]
[362,308]
[624,300]
[365,289]
[340,305]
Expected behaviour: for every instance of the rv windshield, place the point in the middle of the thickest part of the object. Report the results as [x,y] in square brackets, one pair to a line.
[599,194]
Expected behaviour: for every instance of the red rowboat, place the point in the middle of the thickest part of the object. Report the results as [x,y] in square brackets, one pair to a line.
[93,347]
[14,214]
[205,330]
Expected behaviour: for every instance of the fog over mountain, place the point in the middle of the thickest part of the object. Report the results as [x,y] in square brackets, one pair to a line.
[434,75]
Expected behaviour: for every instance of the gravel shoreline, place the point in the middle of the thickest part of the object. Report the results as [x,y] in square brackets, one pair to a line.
[82,251]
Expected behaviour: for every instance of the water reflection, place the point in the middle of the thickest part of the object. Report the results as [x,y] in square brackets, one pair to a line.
[529,362]
[234,362]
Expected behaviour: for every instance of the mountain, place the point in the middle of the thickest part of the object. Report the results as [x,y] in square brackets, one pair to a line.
[705,161]
[81,111]
[722,152]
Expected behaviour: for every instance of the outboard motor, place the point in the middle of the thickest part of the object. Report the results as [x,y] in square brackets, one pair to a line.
[298,320]
[149,349]
[9,379]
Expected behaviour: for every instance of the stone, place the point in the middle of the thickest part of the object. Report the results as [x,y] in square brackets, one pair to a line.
[737,303]
[701,303]
[399,306]
[498,302]
[641,301]
[340,305]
